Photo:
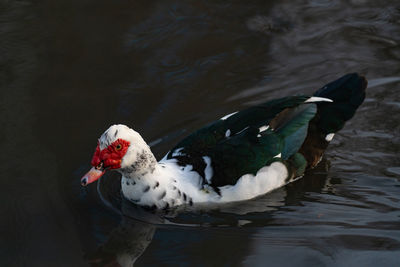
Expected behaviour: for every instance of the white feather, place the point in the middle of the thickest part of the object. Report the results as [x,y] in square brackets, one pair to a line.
[208,171]
[177,152]
[115,132]
[329,137]
[227,116]
[248,186]
[318,99]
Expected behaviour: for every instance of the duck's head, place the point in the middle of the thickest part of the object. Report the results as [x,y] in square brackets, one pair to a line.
[119,148]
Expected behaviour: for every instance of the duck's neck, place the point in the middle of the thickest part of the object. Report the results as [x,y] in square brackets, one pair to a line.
[154,188]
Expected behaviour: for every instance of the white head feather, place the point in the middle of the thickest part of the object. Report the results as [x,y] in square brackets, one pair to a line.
[138,157]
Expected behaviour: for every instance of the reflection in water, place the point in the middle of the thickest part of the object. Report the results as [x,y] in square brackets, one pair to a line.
[124,244]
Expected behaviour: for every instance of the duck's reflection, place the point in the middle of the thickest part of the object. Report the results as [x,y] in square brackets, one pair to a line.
[125,244]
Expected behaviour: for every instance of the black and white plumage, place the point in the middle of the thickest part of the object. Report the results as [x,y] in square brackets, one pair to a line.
[243,155]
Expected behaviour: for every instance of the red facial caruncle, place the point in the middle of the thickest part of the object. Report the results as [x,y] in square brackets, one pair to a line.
[110,156]
[107,158]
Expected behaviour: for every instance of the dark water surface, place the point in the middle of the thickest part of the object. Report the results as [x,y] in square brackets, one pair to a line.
[69,69]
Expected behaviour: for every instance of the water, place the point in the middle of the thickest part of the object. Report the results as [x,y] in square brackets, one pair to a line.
[69,69]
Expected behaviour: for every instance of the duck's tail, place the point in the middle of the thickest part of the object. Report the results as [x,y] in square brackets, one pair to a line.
[347,94]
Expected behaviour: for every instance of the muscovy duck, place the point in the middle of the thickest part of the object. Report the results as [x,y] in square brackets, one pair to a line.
[243,155]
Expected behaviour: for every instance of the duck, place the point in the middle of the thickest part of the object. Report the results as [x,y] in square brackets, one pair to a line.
[241,156]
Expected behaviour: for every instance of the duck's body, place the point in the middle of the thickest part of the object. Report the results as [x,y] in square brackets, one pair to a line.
[243,155]
[171,185]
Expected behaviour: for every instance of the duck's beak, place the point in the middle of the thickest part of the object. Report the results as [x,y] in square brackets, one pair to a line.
[91,176]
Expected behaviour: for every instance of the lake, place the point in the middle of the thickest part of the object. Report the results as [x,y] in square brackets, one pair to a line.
[70,69]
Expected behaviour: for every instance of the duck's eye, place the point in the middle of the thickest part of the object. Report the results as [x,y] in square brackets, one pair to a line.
[100,166]
[118,147]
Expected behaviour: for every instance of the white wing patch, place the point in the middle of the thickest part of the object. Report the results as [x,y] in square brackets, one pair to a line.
[318,99]
[228,133]
[227,116]
[208,171]
[263,128]
[177,152]
[329,137]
